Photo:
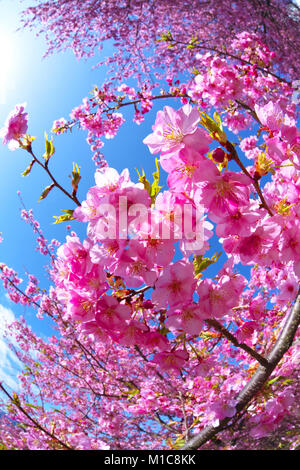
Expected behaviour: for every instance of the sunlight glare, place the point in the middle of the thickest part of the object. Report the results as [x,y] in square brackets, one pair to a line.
[7,54]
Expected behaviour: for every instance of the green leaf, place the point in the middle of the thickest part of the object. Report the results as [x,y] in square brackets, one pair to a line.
[272,381]
[28,169]
[287,382]
[164,331]
[132,393]
[37,407]
[217,118]
[153,189]
[46,191]
[200,263]
[167,36]
[180,441]
[143,179]
[75,178]
[214,128]
[49,148]
[68,215]
[16,400]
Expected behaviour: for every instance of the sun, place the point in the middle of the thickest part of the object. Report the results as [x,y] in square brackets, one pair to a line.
[7,63]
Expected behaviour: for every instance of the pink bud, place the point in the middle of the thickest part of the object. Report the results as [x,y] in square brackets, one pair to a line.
[218,155]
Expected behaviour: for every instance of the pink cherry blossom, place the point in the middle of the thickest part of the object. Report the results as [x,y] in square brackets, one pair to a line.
[175,129]
[270,115]
[175,285]
[237,222]
[204,366]
[221,410]
[245,332]
[131,334]
[223,193]
[216,300]
[290,242]
[15,127]
[110,314]
[153,340]
[219,84]
[108,180]
[135,266]
[75,255]
[160,250]
[186,318]
[81,306]
[171,360]
[257,307]
[257,247]
[288,289]
[107,252]
[249,146]
[59,126]
[185,169]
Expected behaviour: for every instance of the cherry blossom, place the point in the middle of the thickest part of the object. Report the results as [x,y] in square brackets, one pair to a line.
[15,127]
[174,130]
[175,285]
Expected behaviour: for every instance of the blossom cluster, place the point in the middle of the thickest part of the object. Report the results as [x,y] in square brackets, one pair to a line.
[139,284]
[143,259]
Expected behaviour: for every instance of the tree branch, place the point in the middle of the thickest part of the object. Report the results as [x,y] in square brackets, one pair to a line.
[33,421]
[257,381]
[232,56]
[55,183]
[215,324]
[255,183]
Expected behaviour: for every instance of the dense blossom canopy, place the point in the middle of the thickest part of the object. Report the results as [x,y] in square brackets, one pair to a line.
[134,27]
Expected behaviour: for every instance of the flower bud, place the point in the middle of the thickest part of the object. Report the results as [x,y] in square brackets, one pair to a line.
[219,155]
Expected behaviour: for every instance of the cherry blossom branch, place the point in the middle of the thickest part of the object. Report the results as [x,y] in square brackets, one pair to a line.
[156,371]
[185,420]
[13,284]
[119,105]
[217,326]
[228,145]
[228,54]
[166,425]
[88,354]
[33,421]
[255,183]
[136,292]
[257,381]
[152,98]
[36,229]
[73,197]
[250,110]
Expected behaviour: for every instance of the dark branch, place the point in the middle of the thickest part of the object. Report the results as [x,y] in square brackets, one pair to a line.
[257,381]
[217,326]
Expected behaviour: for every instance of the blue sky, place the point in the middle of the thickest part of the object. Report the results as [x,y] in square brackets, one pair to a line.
[51,87]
